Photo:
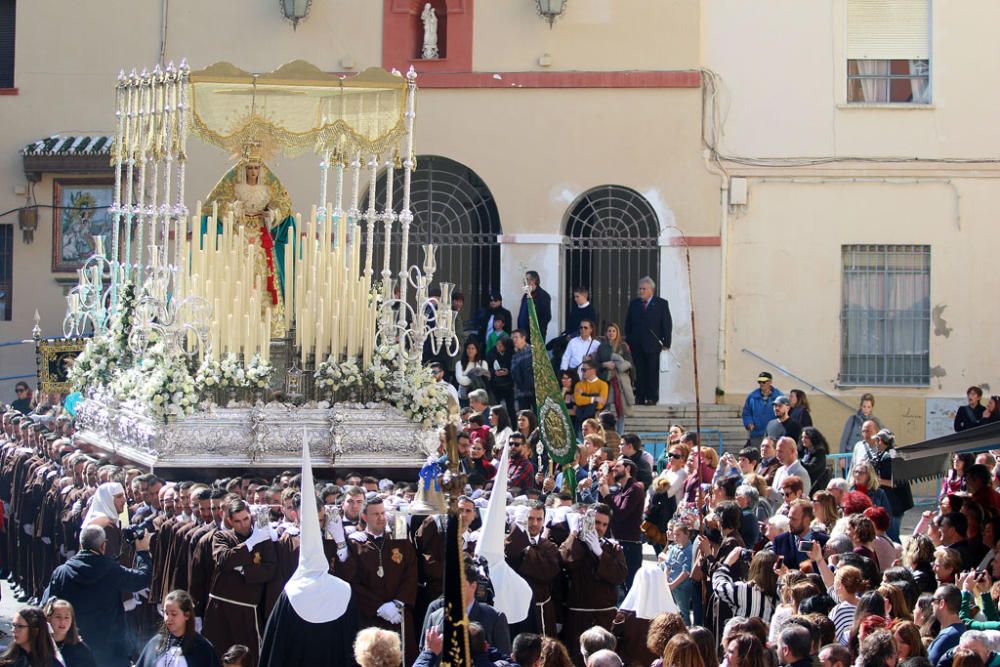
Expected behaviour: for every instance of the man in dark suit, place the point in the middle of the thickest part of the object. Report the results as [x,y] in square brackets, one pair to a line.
[494,623]
[648,329]
[786,545]
[543,305]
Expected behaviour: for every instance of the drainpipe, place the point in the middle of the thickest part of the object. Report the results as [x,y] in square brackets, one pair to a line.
[720,380]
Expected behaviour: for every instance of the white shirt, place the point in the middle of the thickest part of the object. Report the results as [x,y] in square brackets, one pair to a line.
[783,472]
[450,388]
[576,350]
[860,455]
[172,658]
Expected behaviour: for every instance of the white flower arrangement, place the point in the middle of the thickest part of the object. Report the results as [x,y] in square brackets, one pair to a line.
[344,377]
[169,389]
[420,397]
[258,372]
[94,366]
[126,384]
[209,374]
[234,375]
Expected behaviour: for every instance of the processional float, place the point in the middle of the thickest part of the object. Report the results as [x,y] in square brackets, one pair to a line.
[216,335]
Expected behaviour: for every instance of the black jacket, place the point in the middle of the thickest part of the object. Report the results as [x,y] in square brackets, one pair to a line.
[77,655]
[93,583]
[578,315]
[484,321]
[967,417]
[648,329]
[522,373]
[543,307]
[201,653]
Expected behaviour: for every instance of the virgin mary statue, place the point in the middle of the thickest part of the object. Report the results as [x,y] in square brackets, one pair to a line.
[261,206]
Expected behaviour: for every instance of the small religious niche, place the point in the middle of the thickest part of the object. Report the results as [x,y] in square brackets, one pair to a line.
[430,29]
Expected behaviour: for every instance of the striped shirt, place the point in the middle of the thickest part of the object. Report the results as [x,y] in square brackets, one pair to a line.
[742,598]
[843,618]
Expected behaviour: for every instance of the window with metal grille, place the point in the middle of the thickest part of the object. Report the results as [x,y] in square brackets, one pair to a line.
[886,315]
[612,240]
[453,209]
[888,52]
[6,271]
[8,13]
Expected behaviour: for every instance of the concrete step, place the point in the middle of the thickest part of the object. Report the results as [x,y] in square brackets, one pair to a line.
[724,419]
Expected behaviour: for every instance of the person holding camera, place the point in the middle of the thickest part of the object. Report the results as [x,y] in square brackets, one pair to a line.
[627,501]
[93,583]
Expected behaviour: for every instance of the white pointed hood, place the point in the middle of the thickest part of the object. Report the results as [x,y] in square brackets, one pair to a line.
[511,593]
[103,504]
[650,594]
[316,595]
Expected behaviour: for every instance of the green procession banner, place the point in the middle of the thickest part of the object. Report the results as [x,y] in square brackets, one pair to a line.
[554,423]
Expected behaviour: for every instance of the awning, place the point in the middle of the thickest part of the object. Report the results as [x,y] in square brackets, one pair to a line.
[75,154]
[930,458]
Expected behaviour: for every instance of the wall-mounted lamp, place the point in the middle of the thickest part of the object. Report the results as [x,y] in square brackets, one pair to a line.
[550,10]
[27,216]
[295,10]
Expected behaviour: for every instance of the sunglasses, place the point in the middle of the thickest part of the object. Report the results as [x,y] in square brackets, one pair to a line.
[675,456]
[21,391]
[788,493]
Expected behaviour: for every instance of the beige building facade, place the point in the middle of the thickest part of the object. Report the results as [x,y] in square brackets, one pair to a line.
[807,160]
[540,116]
[863,174]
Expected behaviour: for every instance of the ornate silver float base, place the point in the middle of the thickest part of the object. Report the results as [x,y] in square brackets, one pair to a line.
[263,436]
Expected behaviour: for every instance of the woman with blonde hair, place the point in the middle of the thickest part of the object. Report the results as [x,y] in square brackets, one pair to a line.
[825,511]
[375,647]
[682,651]
[665,495]
[947,565]
[620,370]
[864,479]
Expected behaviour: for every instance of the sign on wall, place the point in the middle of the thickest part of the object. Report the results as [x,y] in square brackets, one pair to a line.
[941,416]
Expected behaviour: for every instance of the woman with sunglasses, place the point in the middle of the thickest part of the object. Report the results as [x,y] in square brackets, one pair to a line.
[665,495]
[864,480]
[23,401]
[31,644]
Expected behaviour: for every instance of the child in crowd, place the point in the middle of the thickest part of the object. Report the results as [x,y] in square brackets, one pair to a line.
[678,561]
[236,656]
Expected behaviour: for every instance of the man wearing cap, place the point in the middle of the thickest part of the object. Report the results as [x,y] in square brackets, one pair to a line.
[487,315]
[626,501]
[783,425]
[758,409]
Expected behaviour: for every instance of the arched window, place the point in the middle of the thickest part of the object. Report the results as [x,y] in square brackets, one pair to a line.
[611,242]
[453,209]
